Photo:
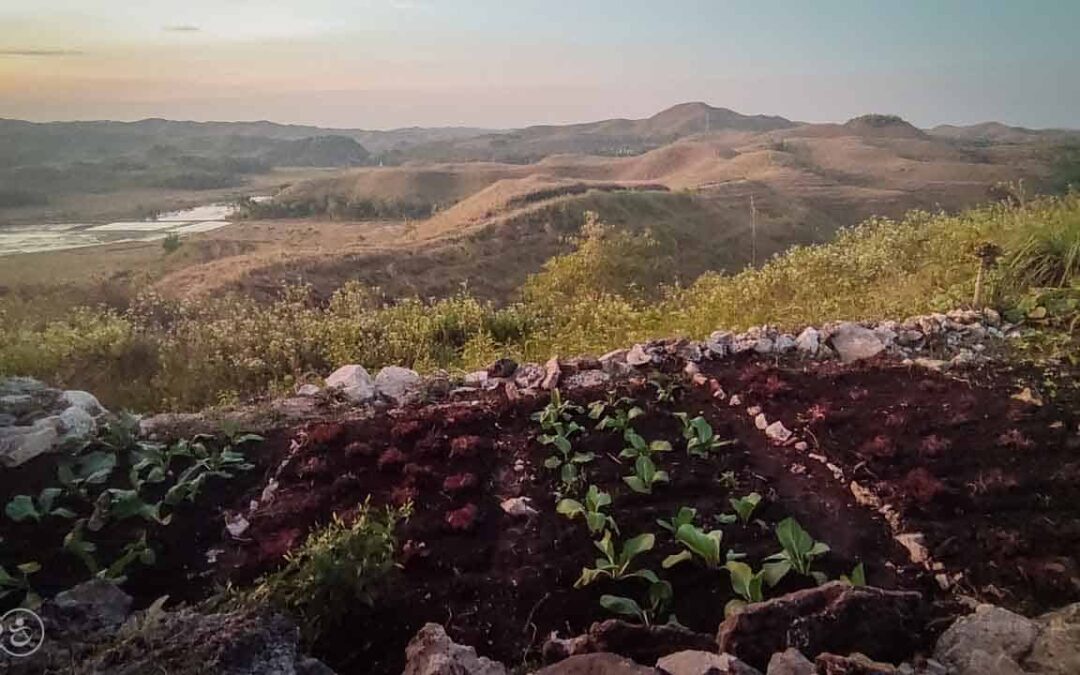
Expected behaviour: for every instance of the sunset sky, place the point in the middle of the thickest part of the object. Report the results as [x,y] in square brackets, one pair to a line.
[506,63]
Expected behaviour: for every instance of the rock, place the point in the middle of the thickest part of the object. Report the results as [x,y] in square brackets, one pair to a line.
[614,355]
[784,343]
[808,341]
[15,386]
[856,664]
[696,662]
[91,607]
[790,662]
[720,343]
[236,525]
[992,317]
[586,379]
[854,343]
[432,652]
[764,345]
[689,351]
[463,519]
[19,445]
[308,390]
[802,446]
[354,382]
[994,631]
[833,617]
[400,385]
[83,400]
[552,372]
[638,357]
[760,421]
[530,375]
[75,426]
[601,663]
[518,507]
[502,368]
[777,432]
[936,365]
[476,378]
[1057,649]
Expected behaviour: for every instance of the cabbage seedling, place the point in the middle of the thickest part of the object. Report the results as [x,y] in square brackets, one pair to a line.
[747,584]
[684,516]
[595,500]
[800,551]
[555,413]
[744,506]
[645,476]
[23,507]
[11,584]
[616,565]
[856,578]
[699,435]
[658,601]
[637,446]
[619,414]
[697,542]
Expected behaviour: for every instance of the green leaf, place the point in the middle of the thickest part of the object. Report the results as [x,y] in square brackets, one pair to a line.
[637,485]
[645,469]
[21,507]
[606,547]
[622,606]
[552,462]
[582,457]
[588,576]
[29,568]
[128,504]
[703,544]
[562,443]
[96,467]
[733,607]
[647,575]
[63,513]
[774,572]
[596,521]
[636,546]
[673,560]
[47,497]
[857,578]
[659,446]
[569,508]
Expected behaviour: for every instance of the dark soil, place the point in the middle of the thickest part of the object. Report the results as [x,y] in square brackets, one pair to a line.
[990,481]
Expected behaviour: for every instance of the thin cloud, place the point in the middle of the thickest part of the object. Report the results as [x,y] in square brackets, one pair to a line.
[181,28]
[408,5]
[41,52]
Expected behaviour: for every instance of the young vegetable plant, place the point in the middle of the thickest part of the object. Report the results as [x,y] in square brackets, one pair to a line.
[666,390]
[800,551]
[556,413]
[645,476]
[697,542]
[23,507]
[744,506]
[699,435]
[747,584]
[619,414]
[636,446]
[564,460]
[857,576]
[596,520]
[684,516]
[616,565]
[20,583]
[93,468]
[658,601]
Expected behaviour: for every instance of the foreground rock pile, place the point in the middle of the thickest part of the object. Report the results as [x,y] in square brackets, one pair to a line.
[35,419]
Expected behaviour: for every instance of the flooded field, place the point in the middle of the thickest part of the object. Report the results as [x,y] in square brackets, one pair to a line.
[59,236]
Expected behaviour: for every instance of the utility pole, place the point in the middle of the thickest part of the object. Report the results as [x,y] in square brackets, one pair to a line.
[753,233]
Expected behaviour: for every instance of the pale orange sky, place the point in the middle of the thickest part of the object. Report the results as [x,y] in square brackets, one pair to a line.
[392,63]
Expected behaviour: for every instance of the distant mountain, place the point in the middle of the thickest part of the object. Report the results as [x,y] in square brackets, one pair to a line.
[996,132]
[889,126]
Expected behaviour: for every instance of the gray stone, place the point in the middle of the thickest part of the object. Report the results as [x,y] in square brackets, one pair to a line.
[720,343]
[400,385]
[808,341]
[790,662]
[853,343]
[354,382]
[16,404]
[586,379]
[14,386]
[638,357]
[432,652]
[7,420]
[530,375]
[308,390]
[19,445]
[476,378]
[764,345]
[552,372]
[600,663]
[75,425]
[83,400]
[784,343]
[1057,648]
[777,432]
[90,607]
[992,630]
[696,662]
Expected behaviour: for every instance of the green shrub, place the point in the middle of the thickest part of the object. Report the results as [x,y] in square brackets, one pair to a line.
[336,568]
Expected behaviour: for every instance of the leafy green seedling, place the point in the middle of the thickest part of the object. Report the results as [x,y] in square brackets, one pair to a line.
[592,509]
[23,507]
[857,576]
[697,542]
[747,584]
[20,583]
[619,414]
[666,391]
[78,546]
[637,446]
[800,551]
[137,550]
[616,565]
[93,468]
[556,412]
[645,476]
[125,504]
[699,435]
[658,601]
[684,516]
[744,506]
[564,460]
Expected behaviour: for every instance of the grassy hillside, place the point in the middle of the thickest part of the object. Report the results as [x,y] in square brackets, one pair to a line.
[189,354]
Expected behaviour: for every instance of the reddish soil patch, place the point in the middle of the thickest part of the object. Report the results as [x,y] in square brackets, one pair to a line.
[992,482]
[503,584]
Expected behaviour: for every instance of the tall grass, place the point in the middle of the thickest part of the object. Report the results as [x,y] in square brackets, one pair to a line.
[164,354]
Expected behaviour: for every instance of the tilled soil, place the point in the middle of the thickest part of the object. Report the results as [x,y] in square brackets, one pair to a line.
[988,481]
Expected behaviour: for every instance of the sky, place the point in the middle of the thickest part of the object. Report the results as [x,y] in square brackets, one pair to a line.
[380,64]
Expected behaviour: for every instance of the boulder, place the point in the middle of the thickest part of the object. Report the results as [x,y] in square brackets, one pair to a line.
[83,400]
[697,662]
[808,341]
[784,343]
[637,356]
[20,444]
[432,652]
[529,375]
[502,368]
[853,343]
[1056,650]
[833,617]
[586,379]
[645,644]
[790,662]
[308,390]
[91,607]
[989,636]
[601,663]
[720,343]
[354,382]
[400,385]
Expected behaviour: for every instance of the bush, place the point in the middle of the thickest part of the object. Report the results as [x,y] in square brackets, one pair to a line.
[337,567]
[171,243]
